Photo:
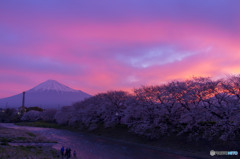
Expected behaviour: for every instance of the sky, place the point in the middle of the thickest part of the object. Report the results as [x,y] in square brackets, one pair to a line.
[96,46]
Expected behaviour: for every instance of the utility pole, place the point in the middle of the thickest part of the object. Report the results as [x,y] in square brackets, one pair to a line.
[23,100]
[23,108]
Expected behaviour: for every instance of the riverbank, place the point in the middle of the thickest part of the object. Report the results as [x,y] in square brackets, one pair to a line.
[168,144]
[89,146]
[24,144]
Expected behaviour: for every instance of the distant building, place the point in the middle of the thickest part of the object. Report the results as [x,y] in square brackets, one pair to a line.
[2,110]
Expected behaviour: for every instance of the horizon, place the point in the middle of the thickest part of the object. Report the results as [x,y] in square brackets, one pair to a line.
[129,91]
[115,45]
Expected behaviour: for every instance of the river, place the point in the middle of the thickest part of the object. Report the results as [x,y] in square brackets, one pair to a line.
[95,147]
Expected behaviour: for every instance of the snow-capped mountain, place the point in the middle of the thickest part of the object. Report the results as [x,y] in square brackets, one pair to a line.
[49,94]
[52,85]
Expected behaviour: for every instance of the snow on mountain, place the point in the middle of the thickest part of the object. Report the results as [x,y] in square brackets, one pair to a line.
[49,94]
[52,85]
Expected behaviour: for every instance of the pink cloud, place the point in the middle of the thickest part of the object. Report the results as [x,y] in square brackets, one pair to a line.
[100,55]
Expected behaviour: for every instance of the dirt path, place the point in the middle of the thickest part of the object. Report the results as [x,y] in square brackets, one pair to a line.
[93,147]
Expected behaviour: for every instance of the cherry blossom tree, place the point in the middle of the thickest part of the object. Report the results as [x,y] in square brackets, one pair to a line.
[200,108]
[32,115]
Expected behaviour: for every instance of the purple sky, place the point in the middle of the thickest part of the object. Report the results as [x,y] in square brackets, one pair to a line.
[104,45]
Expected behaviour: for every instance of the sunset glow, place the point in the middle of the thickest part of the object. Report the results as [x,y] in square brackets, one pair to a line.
[97,46]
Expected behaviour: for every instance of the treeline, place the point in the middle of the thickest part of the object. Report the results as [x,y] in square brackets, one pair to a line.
[32,114]
[199,108]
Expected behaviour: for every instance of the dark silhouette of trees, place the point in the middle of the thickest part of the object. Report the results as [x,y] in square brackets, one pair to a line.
[200,108]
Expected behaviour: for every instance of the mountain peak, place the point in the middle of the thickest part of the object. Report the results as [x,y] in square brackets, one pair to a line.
[52,85]
[49,94]
[51,80]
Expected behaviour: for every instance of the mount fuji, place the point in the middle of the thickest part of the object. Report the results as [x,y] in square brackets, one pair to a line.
[49,94]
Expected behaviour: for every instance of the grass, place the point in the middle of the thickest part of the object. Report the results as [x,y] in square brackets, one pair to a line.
[8,136]
[13,152]
[41,124]
[3,139]
[4,143]
[31,134]
[21,138]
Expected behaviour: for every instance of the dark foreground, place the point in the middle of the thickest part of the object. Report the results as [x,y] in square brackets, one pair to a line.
[93,147]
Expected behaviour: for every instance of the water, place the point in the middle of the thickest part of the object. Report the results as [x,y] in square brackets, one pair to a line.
[94,147]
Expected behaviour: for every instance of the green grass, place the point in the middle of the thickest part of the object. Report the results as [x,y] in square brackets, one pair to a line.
[21,138]
[4,139]
[26,148]
[31,134]
[43,124]
[13,152]
[7,151]
[4,143]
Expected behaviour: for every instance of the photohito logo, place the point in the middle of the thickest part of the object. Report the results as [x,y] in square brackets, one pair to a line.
[213,153]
